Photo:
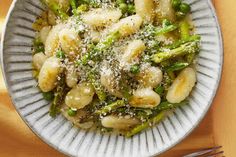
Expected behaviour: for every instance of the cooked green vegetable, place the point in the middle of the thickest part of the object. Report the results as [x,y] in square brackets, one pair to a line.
[177,66]
[82,8]
[111,107]
[151,30]
[38,45]
[180,15]
[191,47]
[123,7]
[48,96]
[145,125]
[184,29]
[73,4]
[131,9]
[71,112]
[59,96]
[166,23]
[120,1]
[192,38]
[60,54]
[117,69]
[100,47]
[164,106]
[176,4]
[56,9]
[135,69]
[159,89]
[97,86]
[165,30]
[184,8]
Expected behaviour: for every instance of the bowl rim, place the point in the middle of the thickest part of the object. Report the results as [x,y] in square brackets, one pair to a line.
[215,90]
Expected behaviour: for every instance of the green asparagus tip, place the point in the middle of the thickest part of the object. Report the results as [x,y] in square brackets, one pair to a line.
[139,128]
[111,107]
[187,48]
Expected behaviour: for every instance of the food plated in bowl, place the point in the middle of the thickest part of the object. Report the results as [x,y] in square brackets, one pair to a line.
[126,79]
[115,65]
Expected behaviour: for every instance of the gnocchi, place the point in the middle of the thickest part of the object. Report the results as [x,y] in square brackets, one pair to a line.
[76,120]
[52,41]
[52,19]
[48,74]
[62,4]
[43,34]
[164,10]
[115,65]
[145,8]
[38,60]
[133,51]
[101,17]
[120,123]
[145,98]
[150,76]
[108,81]
[182,86]
[69,41]
[127,26]
[80,96]
[71,77]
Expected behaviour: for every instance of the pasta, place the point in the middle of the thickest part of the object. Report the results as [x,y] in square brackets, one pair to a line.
[145,98]
[116,122]
[69,41]
[80,96]
[133,51]
[38,60]
[145,8]
[150,76]
[100,17]
[44,33]
[182,86]
[127,26]
[115,66]
[48,74]
[52,41]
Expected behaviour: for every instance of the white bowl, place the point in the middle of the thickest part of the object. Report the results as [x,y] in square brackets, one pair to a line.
[59,133]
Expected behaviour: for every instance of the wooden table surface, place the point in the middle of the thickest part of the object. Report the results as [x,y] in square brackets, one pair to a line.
[218,128]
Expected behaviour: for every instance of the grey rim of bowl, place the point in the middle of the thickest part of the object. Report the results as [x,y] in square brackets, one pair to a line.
[164,150]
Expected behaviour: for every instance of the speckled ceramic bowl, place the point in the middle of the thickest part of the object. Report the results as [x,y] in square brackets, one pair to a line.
[16,60]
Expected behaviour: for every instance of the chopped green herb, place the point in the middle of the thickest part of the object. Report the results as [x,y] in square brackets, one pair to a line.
[135,69]
[60,54]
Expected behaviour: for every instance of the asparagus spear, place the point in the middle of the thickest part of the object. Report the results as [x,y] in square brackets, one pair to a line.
[97,86]
[111,107]
[191,47]
[145,125]
[177,66]
[160,110]
[184,41]
[185,35]
[165,30]
[152,30]
[184,29]
[59,95]
[56,9]
[190,57]
[73,4]
[100,47]
[164,106]
[82,8]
